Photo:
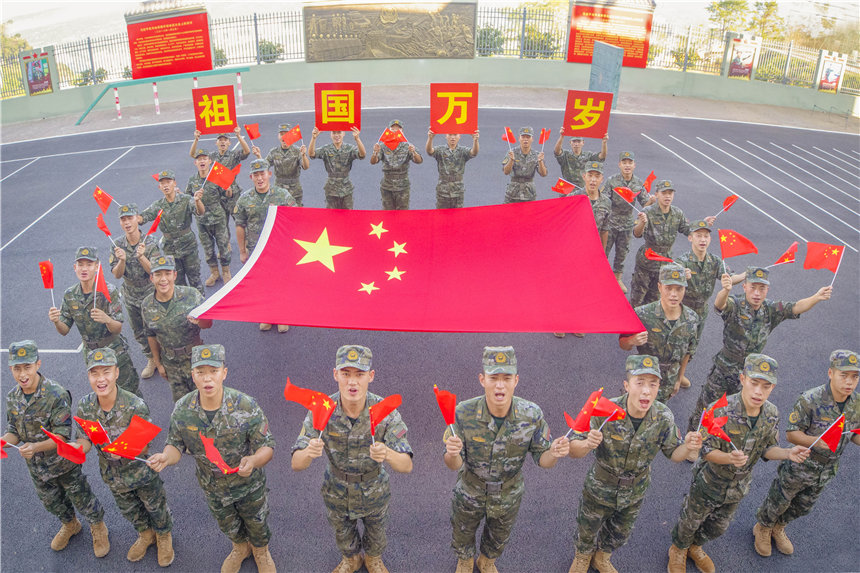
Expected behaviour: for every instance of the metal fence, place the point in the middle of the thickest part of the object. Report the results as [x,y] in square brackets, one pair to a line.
[690,49]
[521,33]
[786,64]
[258,39]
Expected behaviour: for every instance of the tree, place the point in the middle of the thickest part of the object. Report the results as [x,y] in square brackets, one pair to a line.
[12,44]
[766,21]
[490,41]
[728,14]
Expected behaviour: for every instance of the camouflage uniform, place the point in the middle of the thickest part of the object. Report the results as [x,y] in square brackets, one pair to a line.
[571,165]
[239,504]
[450,191]
[250,212]
[700,286]
[176,336]
[521,187]
[621,220]
[394,186]
[230,159]
[211,225]
[338,163]
[138,490]
[659,234]
[356,487]
[287,165]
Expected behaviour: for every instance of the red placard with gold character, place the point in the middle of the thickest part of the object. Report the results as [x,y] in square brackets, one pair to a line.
[587,113]
[337,106]
[453,108]
[214,109]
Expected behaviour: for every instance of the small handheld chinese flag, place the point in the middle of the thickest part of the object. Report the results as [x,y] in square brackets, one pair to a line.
[320,404]
[221,176]
[583,419]
[72,453]
[103,199]
[391,139]
[46,269]
[788,256]
[714,425]
[292,136]
[447,404]
[214,456]
[155,223]
[563,186]
[381,409]
[94,430]
[509,136]
[733,244]
[155,176]
[605,407]
[822,256]
[134,439]
[649,180]
[253,130]
[3,454]
[626,193]
[101,285]
[833,434]
[729,201]
[544,135]
[651,255]
[100,222]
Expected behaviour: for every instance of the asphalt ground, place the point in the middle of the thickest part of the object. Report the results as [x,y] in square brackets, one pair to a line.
[794,184]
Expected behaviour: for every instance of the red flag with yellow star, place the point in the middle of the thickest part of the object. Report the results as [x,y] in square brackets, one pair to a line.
[447,404]
[733,244]
[833,434]
[648,181]
[383,408]
[788,256]
[292,136]
[94,430]
[391,139]
[73,453]
[564,186]
[46,269]
[134,439]
[103,199]
[319,403]
[823,256]
[214,456]
[221,176]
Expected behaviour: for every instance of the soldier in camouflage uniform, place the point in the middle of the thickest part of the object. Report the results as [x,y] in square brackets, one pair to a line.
[228,159]
[100,325]
[617,481]
[521,164]
[451,160]
[620,224]
[138,491]
[670,333]
[394,186]
[212,224]
[179,241]
[797,486]
[129,261]
[287,161]
[251,210]
[487,445]
[747,322]
[37,402]
[723,473]
[356,485]
[238,500]
[337,158]
[170,331]
[573,161]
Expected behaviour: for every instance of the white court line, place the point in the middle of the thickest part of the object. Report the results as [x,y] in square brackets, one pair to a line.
[857,153]
[796,166]
[58,203]
[20,168]
[819,167]
[851,165]
[775,182]
[759,189]
[839,151]
[826,161]
[97,150]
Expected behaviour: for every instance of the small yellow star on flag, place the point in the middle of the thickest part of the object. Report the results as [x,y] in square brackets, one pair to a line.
[395,274]
[377,230]
[320,251]
[369,287]
[398,248]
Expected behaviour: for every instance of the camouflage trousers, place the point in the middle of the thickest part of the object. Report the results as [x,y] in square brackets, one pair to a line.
[703,314]
[702,519]
[128,376]
[643,288]
[146,507]
[719,380]
[335,202]
[295,190]
[243,520]
[62,494]
[450,195]
[394,196]
[621,241]
[498,516]
[520,192]
[212,235]
[450,202]
[178,376]
[228,204]
[346,535]
[603,527]
[188,270]
[135,320]
[793,493]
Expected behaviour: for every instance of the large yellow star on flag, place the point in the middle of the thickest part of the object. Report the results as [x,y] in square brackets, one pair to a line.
[320,251]
[377,230]
[369,287]
[395,274]
[398,248]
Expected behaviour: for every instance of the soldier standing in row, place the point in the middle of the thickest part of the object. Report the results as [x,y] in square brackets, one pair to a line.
[177,210]
[337,158]
[98,328]
[138,491]
[240,430]
[229,159]
[615,486]
[35,403]
[212,223]
[287,161]
[356,484]
[394,186]
[451,160]
[521,164]
[129,261]
[492,435]
[573,161]
[796,488]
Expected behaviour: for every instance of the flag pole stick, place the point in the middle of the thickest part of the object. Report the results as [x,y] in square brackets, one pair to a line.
[734,446]
[701,419]
[839,264]
[567,435]
[453,433]
[95,286]
[609,417]
[809,449]
[112,242]
[372,439]
[13,445]
[53,304]
[725,272]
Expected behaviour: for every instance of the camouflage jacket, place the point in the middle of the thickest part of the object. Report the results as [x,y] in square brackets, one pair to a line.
[621,214]
[230,159]
[704,276]
[814,412]
[599,207]
[251,210]
[120,474]
[76,309]
[170,325]
[525,166]
[347,445]
[669,343]
[214,213]
[135,280]
[239,429]
[338,164]
[451,162]
[572,165]
[175,223]
[726,483]
[628,453]
[660,233]
[49,406]
[286,164]
[745,330]
[395,162]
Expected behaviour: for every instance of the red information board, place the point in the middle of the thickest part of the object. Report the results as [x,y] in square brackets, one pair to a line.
[626,27]
[454,108]
[174,45]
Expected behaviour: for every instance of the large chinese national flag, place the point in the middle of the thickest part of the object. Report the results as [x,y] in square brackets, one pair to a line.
[528,267]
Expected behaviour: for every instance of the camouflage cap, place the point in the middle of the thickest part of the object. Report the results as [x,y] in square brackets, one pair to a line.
[760,366]
[200,152]
[499,360]
[101,357]
[88,253]
[396,122]
[285,127]
[757,275]
[225,135]
[643,364]
[845,360]
[167,174]
[162,263]
[23,352]
[664,185]
[700,225]
[259,165]
[576,138]
[673,274]
[128,210]
[527,130]
[208,355]
[593,166]
[352,355]
[626,155]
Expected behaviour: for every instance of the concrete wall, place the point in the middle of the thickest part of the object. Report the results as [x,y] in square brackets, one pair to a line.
[488,71]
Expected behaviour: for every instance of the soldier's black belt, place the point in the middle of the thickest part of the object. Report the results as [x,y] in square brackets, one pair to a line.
[101,342]
[518,179]
[820,458]
[174,236]
[488,486]
[179,351]
[353,477]
[613,479]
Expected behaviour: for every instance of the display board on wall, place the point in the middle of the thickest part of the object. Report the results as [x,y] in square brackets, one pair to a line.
[626,25]
[38,70]
[743,57]
[831,68]
[169,42]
